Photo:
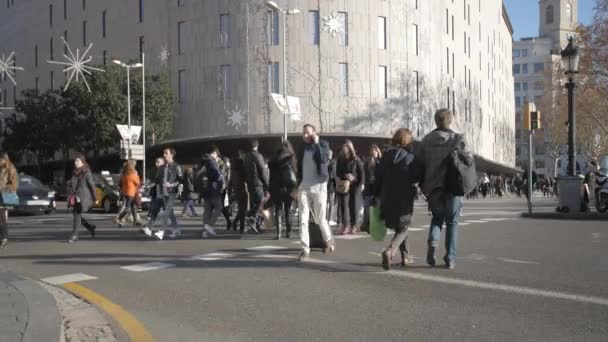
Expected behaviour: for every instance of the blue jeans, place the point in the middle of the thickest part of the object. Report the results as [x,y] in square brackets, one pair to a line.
[445,208]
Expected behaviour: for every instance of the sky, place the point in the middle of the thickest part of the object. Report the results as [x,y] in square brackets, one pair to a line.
[524,16]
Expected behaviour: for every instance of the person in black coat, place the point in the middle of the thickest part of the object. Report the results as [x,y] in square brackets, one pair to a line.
[82,197]
[395,189]
[331,188]
[187,194]
[349,169]
[283,181]
[257,184]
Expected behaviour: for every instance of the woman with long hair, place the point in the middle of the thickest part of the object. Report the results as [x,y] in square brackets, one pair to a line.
[9,181]
[395,189]
[371,163]
[129,187]
[81,197]
[283,181]
[349,185]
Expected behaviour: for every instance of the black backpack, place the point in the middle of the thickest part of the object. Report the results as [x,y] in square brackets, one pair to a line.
[461,175]
[288,176]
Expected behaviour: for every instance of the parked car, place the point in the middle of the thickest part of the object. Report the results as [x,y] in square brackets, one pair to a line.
[107,193]
[34,197]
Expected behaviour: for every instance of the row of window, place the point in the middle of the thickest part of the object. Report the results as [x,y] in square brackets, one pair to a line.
[84,5]
[523,68]
[520,53]
[274,83]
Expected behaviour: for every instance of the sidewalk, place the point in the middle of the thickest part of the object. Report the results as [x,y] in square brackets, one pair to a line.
[28,312]
[36,312]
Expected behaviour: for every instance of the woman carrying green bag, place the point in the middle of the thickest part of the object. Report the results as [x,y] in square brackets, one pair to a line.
[395,189]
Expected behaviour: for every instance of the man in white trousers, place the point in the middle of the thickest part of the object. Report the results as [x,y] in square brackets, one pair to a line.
[313,176]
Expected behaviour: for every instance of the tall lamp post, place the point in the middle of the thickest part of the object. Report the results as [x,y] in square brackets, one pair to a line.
[128,67]
[570,59]
[569,186]
[274,7]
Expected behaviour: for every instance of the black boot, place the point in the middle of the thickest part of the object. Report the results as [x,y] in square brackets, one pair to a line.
[90,227]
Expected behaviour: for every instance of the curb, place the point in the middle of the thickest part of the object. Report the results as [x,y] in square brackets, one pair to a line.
[567,216]
[43,319]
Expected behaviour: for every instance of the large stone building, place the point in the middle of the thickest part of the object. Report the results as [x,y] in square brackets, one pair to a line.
[533,59]
[361,68]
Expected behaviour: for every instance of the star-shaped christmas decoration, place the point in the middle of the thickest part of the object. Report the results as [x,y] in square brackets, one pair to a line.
[236,117]
[164,55]
[77,65]
[333,24]
[7,67]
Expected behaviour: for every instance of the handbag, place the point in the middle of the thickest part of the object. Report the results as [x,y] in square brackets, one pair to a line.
[377,228]
[72,201]
[343,186]
[9,199]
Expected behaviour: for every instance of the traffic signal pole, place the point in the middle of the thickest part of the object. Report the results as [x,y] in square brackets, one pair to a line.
[531,134]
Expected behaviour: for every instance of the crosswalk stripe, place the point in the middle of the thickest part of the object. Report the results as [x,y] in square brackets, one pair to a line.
[150,266]
[211,256]
[349,237]
[67,278]
[476,221]
[266,248]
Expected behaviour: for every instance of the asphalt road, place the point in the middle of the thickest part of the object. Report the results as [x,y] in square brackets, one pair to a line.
[516,279]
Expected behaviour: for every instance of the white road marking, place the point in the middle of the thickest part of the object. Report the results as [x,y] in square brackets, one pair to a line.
[374,253]
[275,256]
[320,261]
[415,229]
[502,287]
[476,221]
[151,266]
[475,256]
[515,261]
[16,222]
[67,278]
[211,256]
[266,248]
[464,224]
[296,242]
[349,237]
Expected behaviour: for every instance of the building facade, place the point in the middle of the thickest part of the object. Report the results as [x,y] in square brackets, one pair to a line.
[359,67]
[534,59]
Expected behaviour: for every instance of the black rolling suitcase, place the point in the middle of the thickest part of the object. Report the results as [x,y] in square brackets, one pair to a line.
[314,231]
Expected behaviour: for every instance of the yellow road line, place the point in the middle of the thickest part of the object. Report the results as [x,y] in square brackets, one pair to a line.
[133,327]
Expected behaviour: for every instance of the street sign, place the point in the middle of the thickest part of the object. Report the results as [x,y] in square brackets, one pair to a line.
[137,151]
[295,110]
[133,135]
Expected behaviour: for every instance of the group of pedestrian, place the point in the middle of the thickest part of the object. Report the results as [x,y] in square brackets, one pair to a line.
[325,189]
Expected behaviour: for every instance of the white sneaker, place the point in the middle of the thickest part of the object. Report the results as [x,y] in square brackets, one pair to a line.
[209,230]
[333,223]
[147,231]
[160,234]
[205,234]
[175,233]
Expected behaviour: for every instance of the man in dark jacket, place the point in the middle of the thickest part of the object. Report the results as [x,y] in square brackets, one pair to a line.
[312,179]
[210,176]
[436,147]
[256,177]
[168,180]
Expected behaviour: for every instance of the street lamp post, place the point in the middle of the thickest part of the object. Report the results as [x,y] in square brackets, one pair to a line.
[273,6]
[569,186]
[570,59]
[128,67]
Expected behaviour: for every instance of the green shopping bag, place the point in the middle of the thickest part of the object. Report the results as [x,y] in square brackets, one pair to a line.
[377,229]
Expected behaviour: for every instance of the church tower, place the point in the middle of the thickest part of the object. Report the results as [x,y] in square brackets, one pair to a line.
[558,20]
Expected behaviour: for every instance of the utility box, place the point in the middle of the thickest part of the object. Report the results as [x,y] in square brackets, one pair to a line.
[570,198]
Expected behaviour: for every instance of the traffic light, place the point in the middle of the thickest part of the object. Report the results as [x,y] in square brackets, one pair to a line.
[535,120]
[527,108]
